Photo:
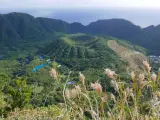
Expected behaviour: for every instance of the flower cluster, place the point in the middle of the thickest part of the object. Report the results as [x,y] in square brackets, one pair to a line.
[53,73]
[110,73]
[74,92]
[97,87]
[147,66]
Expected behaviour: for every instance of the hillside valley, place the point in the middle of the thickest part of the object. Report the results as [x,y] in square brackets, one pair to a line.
[20,26]
[30,42]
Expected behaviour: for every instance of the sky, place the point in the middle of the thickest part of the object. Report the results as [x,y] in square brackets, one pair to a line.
[140,12]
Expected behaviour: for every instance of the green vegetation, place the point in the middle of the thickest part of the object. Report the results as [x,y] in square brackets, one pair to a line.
[81,58]
[133,47]
[81,51]
[22,48]
[139,100]
[88,54]
[19,93]
[20,26]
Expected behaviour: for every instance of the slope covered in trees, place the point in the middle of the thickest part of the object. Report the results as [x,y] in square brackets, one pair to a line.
[20,26]
[83,51]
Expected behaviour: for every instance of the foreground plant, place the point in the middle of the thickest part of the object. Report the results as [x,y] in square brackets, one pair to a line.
[137,100]
[130,100]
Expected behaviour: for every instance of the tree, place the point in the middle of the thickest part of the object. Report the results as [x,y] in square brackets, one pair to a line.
[18,93]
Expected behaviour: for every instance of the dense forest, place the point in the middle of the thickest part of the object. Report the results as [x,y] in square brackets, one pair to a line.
[20,26]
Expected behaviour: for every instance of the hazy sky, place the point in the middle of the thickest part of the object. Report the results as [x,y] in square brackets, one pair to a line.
[78,3]
[140,12]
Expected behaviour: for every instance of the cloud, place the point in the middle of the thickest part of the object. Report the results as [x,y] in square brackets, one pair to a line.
[141,12]
[28,4]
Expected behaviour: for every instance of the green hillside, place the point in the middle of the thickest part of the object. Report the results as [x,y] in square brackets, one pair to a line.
[75,52]
[41,95]
[81,51]
[21,26]
[18,26]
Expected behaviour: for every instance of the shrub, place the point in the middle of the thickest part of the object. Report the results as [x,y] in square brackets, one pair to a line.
[18,93]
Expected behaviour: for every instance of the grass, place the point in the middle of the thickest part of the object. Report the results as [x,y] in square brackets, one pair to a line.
[138,99]
[68,41]
[134,58]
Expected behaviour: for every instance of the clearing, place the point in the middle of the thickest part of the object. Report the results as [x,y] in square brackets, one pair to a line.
[134,58]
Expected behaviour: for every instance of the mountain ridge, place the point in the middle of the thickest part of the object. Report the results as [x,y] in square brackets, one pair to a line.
[82,51]
[17,26]
[99,20]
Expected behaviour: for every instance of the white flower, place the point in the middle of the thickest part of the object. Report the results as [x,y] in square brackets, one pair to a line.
[147,66]
[53,73]
[154,77]
[141,77]
[132,75]
[114,85]
[82,78]
[109,73]
[97,87]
